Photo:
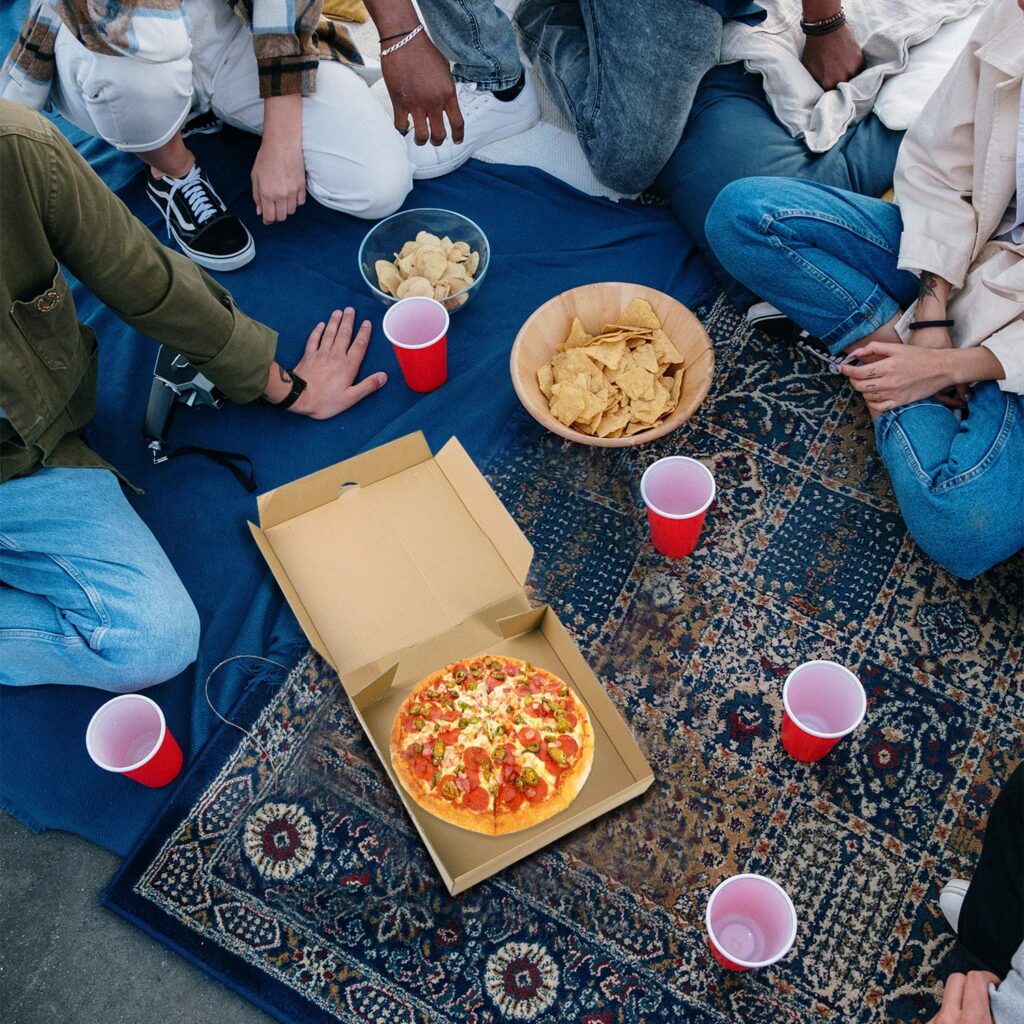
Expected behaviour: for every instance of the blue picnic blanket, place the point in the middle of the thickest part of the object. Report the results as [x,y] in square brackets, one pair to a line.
[545,237]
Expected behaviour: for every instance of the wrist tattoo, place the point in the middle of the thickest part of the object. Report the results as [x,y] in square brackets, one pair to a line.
[284,375]
[928,283]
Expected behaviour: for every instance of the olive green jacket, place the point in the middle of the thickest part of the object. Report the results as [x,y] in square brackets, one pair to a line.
[54,211]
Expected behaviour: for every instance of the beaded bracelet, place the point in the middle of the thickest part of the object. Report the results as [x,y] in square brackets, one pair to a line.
[825,26]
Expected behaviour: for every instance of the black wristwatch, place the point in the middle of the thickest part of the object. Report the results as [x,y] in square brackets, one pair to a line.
[298,386]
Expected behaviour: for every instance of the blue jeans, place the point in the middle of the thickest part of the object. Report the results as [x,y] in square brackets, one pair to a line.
[827,259]
[733,133]
[624,74]
[87,595]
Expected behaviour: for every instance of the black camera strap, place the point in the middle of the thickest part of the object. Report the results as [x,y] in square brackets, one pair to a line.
[239,465]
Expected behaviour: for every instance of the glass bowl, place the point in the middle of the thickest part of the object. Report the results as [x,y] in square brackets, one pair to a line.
[386,238]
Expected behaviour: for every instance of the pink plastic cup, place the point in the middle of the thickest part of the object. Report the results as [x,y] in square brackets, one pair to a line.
[823,702]
[417,328]
[751,922]
[128,735]
[677,492]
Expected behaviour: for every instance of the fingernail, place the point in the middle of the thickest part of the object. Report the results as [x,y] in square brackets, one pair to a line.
[858,351]
[366,323]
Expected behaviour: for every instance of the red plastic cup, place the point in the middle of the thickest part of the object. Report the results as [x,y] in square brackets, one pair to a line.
[128,735]
[417,328]
[677,492]
[751,922]
[823,702]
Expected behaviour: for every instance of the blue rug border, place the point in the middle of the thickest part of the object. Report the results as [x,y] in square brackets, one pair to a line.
[230,970]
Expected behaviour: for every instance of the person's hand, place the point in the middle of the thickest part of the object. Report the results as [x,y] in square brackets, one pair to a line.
[898,374]
[420,84]
[330,366]
[833,58]
[965,999]
[279,173]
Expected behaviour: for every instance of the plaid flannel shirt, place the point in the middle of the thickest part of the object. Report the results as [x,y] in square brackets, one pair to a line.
[290,38]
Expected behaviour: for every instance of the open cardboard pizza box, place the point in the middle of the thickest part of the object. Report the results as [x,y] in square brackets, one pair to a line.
[398,562]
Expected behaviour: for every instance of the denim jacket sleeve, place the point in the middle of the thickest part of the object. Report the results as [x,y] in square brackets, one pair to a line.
[934,176]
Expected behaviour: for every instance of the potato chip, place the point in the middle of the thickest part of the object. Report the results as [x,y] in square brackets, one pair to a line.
[431,264]
[415,286]
[388,277]
[447,266]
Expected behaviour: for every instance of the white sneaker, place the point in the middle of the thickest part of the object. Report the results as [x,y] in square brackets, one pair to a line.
[487,119]
[951,899]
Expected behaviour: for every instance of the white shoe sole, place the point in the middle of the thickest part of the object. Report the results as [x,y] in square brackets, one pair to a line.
[439,170]
[222,263]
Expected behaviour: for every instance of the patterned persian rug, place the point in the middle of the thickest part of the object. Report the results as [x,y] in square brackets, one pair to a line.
[287,867]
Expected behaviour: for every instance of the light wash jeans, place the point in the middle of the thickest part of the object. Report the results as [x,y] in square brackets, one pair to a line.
[87,595]
[624,74]
[827,259]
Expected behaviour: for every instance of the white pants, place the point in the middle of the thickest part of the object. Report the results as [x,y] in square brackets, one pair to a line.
[355,160]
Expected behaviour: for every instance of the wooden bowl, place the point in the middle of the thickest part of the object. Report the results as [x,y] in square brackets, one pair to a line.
[597,305]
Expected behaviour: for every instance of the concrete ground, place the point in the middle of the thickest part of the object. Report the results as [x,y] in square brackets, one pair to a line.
[64,959]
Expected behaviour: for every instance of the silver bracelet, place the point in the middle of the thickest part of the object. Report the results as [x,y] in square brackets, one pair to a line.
[401,42]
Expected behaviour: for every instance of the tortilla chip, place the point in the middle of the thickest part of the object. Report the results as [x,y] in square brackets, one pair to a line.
[612,422]
[640,313]
[635,428]
[676,387]
[649,410]
[667,353]
[578,337]
[567,402]
[636,382]
[545,379]
[608,354]
[646,359]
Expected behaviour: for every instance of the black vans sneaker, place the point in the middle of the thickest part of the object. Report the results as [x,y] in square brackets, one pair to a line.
[199,222]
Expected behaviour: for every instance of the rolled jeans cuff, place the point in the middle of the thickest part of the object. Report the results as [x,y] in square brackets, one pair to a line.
[876,311]
[492,83]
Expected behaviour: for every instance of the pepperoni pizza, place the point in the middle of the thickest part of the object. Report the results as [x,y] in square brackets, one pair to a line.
[492,744]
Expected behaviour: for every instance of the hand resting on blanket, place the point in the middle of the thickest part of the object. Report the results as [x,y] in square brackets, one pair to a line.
[329,366]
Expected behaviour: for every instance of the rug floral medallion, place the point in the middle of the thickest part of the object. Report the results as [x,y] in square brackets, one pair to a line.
[296,863]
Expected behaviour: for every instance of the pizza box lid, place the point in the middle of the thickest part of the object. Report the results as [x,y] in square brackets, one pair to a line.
[385,552]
